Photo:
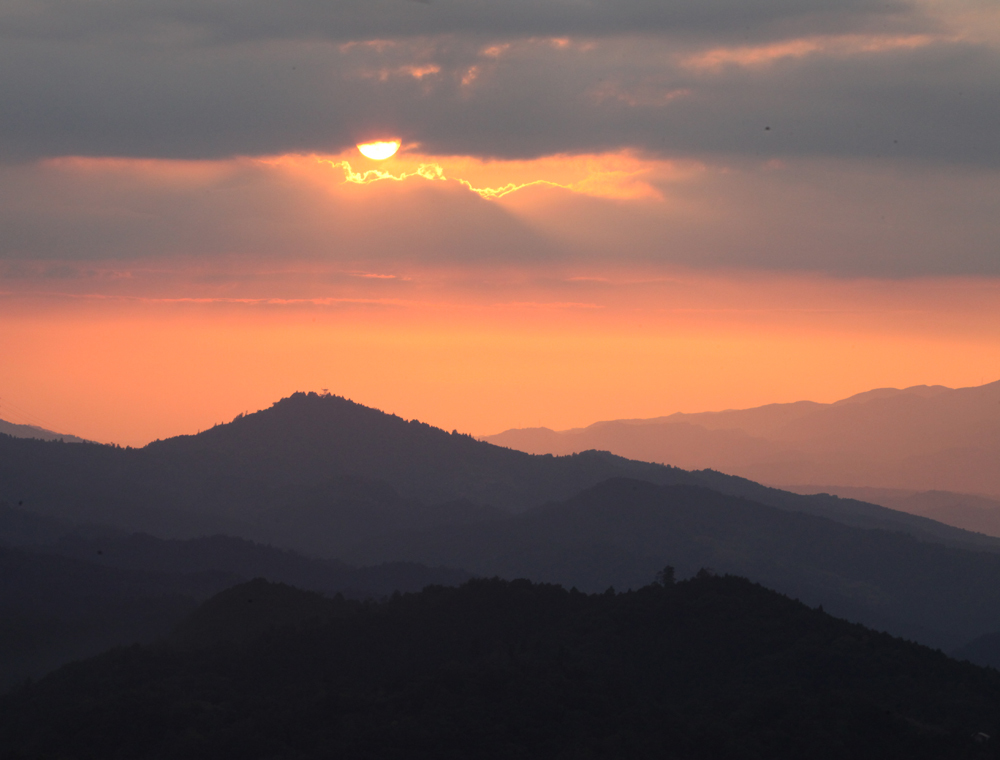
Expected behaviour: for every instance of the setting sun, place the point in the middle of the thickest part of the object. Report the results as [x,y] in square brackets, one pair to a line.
[379,151]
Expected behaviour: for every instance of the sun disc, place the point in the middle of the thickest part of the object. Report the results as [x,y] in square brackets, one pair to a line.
[379,151]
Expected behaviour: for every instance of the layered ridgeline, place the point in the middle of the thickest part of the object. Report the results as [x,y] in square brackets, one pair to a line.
[67,593]
[618,532]
[963,510]
[34,431]
[921,438]
[707,668]
[271,468]
[326,475]
[334,479]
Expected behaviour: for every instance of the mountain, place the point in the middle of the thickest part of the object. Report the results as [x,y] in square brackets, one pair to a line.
[328,477]
[332,479]
[920,438]
[714,667]
[984,650]
[617,533]
[620,532]
[226,556]
[251,474]
[55,609]
[81,591]
[962,510]
[33,431]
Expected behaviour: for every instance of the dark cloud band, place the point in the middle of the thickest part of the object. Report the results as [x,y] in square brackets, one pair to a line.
[343,20]
[933,100]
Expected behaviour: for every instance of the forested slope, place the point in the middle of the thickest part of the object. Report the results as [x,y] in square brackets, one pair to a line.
[715,667]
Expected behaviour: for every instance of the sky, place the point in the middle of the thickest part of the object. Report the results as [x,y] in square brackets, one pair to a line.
[598,209]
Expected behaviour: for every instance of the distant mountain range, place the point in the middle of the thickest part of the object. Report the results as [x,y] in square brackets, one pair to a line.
[324,475]
[332,479]
[963,510]
[620,532]
[919,439]
[69,592]
[33,431]
[102,546]
[308,464]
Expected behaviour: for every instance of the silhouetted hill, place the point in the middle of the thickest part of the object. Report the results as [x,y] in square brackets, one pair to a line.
[308,440]
[715,667]
[250,610]
[920,438]
[33,431]
[21,527]
[378,470]
[94,588]
[619,532]
[984,650]
[962,510]
[325,476]
[849,511]
[299,475]
[55,609]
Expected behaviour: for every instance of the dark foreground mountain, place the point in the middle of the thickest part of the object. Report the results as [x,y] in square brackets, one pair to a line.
[331,478]
[715,667]
[619,532]
[919,438]
[91,590]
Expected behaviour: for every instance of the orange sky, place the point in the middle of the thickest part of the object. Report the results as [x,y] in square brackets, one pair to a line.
[610,210]
[616,210]
[475,295]
[563,352]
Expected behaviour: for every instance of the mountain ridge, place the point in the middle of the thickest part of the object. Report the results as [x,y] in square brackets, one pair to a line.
[333,479]
[314,469]
[712,667]
[70,592]
[619,533]
[34,431]
[920,438]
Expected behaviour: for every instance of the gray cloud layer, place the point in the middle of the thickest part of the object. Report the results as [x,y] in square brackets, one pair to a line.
[209,79]
[842,218]
[886,119]
[343,20]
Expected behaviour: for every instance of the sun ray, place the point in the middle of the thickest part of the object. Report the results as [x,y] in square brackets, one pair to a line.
[435,172]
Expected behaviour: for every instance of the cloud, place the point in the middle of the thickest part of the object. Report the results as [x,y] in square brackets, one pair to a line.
[344,20]
[205,80]
[843,218]
[235,220]
[295,209]
[844,136]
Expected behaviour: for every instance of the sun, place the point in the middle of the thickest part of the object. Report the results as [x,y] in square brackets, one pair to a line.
[379,151]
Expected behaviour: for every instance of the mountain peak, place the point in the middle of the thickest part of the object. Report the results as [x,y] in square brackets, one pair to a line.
[246,611]
[918,391]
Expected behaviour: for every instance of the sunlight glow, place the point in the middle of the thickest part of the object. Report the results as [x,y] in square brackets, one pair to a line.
[610,181]
[434,172]
[379,151]
[843,45]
